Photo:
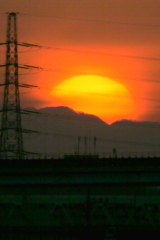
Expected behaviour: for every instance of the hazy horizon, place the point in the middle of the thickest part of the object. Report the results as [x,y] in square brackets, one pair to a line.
[58,130]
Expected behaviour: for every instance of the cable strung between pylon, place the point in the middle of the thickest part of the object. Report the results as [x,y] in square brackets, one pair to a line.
[89,52]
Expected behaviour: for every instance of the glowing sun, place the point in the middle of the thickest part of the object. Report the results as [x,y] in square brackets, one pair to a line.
[96,95]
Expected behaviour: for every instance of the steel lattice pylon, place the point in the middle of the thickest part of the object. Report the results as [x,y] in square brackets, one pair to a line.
[11,130]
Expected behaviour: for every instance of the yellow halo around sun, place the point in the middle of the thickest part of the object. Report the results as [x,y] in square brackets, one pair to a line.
[95,95]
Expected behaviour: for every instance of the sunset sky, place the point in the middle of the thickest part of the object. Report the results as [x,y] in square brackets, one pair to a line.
[116,39]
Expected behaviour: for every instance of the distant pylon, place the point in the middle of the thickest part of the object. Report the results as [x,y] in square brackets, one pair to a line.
[11,140]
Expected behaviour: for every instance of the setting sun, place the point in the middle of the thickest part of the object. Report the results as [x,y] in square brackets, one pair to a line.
[96,95]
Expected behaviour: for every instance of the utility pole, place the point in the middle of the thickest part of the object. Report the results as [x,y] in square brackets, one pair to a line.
[85,145]
[94,145]
[79,139]
[11,141]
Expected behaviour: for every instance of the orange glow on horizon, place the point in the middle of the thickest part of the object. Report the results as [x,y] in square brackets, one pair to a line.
[95,95]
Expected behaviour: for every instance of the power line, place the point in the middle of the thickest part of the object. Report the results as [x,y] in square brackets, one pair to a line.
[39,70]
[101,94]
[93,52]
[93,20]
[95,93]
[110,55]
[128,142]
[105,95]
[92,118]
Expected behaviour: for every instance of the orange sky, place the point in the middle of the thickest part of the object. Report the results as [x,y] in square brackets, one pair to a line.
[101,37]
[127,71]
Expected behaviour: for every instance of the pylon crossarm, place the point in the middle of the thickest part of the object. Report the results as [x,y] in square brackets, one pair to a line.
[23,44]
[7,109]
[4,84]
[28,111]
[27,152]
[28,67]
[29,131]
[28,45]
[26,85]
[21,112]
[21,66]
[3,65]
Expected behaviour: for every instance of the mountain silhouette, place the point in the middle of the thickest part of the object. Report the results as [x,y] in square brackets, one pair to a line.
[60,130]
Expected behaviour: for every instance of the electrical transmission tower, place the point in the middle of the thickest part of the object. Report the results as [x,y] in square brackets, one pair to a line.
[11,129]
[11,140]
